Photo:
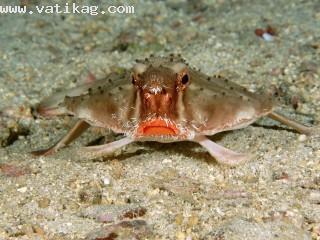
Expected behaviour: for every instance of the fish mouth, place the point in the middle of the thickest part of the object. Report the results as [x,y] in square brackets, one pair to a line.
[157,127]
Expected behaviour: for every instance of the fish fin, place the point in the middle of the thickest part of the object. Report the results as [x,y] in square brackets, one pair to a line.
[74,133]
[105,149]
[221,154]
[291,123]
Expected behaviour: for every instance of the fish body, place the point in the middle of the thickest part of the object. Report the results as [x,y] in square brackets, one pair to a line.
[162,99]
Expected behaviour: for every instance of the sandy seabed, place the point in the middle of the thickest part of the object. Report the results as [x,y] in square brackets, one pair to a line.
[154,190]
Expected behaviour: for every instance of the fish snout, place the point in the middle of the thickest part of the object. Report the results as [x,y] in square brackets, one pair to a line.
[158,102]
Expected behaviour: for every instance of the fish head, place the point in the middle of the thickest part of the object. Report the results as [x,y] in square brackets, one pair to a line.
[160,90]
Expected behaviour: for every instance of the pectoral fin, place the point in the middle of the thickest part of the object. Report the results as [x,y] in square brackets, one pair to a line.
[291,123]
[221,154]
[74,133]
[105,149]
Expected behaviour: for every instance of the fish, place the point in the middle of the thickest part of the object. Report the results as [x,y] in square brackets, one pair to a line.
[165,100]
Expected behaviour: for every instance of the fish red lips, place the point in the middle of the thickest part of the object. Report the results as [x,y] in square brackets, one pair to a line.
[157,127]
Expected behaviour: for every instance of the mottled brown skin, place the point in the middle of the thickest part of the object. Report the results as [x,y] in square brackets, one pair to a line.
[162,99]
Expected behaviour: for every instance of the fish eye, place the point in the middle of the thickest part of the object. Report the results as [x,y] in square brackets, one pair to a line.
[185,79]
[133,80]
